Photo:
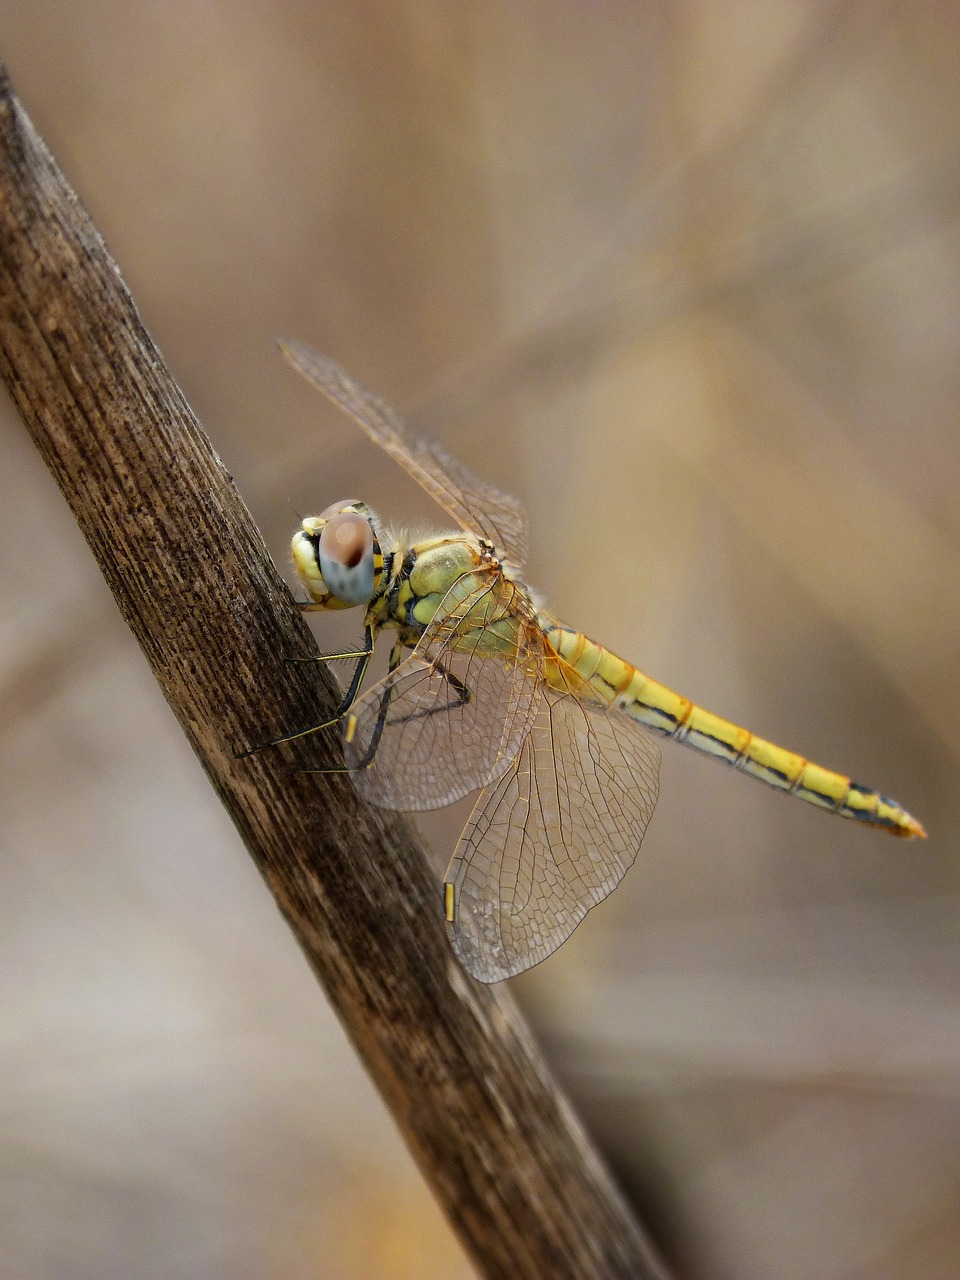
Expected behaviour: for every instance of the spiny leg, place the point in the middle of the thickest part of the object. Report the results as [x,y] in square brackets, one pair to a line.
[363,656]
[326,657]
[396,655]
[462,697]
[461,691]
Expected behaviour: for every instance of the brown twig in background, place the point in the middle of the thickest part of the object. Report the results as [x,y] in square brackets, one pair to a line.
[497,1141]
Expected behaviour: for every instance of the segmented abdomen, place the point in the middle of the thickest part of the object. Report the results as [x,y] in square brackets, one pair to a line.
[668,713]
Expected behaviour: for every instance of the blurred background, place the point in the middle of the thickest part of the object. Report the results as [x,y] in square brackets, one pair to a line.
[686,278]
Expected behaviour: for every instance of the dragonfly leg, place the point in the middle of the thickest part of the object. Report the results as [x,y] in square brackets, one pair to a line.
[327,657]
[462,696]
[356,680]
[396,655]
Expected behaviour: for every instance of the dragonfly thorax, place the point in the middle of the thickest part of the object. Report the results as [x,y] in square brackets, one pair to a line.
[337,555]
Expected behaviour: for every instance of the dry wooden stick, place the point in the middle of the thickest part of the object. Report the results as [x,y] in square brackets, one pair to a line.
[498,1142]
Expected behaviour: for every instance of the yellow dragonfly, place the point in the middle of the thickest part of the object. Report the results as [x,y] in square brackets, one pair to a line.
[488,691]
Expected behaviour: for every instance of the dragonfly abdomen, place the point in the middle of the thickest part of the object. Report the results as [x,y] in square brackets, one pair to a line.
[619,683]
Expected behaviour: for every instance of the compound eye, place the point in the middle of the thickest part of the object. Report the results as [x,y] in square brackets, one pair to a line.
[345,556]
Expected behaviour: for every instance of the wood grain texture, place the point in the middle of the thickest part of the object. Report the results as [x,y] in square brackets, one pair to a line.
[499,1144]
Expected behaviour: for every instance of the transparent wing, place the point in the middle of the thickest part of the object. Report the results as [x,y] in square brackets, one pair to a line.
[453,716]
[552,837]
[475,505]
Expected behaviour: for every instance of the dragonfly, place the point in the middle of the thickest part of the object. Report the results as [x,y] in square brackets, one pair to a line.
[487,691]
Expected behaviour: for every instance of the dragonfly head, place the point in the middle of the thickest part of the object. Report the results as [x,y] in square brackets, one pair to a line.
[337,555]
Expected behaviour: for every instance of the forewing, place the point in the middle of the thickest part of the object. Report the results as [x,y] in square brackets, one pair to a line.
[452,717]
[476,506]
[552,837]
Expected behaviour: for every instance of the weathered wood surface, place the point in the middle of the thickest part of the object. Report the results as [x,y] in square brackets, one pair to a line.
[499,1144]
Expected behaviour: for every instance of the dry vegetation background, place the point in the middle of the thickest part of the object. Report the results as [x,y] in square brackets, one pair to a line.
[687,278]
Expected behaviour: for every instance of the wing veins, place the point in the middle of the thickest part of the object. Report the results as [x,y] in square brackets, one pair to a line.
[589,775]
[476,505]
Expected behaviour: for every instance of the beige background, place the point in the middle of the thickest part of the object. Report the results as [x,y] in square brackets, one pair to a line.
[687,278]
